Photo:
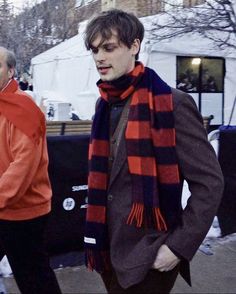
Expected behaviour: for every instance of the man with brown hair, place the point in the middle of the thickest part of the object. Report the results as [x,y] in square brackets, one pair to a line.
[25,191]
[146,139]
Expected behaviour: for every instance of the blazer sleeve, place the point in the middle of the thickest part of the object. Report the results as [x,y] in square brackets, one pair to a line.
[200,168]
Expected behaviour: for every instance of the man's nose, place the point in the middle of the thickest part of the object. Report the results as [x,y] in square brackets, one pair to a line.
[100,56]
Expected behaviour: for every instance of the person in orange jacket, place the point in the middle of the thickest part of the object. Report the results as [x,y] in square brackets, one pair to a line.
[25,191]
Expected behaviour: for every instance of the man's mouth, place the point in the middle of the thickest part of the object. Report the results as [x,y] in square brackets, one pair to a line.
[103,69]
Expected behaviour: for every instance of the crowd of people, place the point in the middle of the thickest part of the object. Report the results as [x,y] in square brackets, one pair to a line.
[189,82]
[146,138]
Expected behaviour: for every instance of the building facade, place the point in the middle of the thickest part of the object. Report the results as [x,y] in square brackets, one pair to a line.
[87,8]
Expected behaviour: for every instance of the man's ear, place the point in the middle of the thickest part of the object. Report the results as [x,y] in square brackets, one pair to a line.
[11,73]
[135,46]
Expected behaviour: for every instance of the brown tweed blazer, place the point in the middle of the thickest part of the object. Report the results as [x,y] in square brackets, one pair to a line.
[133,250]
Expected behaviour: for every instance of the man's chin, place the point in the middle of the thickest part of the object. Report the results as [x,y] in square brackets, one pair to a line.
[106,79]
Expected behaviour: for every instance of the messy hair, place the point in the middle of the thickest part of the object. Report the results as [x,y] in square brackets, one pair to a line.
[126,25]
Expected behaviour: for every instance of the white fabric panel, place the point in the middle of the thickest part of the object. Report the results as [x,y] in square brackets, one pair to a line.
[212,105]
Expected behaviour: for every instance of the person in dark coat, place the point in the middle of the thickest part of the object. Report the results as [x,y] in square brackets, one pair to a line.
[146,139]
[23,84]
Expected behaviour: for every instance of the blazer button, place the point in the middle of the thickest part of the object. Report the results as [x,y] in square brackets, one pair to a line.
[111,158]
[109,197]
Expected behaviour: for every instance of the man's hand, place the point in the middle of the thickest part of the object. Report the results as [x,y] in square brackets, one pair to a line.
[165,259]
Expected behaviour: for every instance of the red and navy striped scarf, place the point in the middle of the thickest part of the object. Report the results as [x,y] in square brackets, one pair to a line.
[151,156]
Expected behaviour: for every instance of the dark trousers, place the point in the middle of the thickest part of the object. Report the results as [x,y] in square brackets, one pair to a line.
[23,244]
[155,282]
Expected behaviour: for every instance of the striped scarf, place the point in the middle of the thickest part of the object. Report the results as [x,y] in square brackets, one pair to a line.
[22,112]
[151,156]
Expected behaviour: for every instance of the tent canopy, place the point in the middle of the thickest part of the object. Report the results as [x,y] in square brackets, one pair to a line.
[67,71]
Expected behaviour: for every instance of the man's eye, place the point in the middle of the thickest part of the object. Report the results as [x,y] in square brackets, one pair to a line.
[94,50]
[109,48]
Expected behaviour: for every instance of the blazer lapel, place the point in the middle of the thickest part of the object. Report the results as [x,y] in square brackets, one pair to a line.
[119,160]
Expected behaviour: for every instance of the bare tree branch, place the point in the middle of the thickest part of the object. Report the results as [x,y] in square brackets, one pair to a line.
[215,20]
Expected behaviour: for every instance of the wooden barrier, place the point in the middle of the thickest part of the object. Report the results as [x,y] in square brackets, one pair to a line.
[57,128]
[74,127]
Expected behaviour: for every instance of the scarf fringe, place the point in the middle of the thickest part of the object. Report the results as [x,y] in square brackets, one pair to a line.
[136,215]
[160,222]
[97,260]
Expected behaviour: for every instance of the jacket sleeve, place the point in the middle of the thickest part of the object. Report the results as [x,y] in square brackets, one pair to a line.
[200,168]
[19,175]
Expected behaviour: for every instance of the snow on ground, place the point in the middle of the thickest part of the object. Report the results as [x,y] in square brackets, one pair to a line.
[213,237]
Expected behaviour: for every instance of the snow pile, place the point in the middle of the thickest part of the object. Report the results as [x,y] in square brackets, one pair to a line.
[5,269]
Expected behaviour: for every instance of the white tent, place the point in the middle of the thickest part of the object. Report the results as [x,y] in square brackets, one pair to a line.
[67,71]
